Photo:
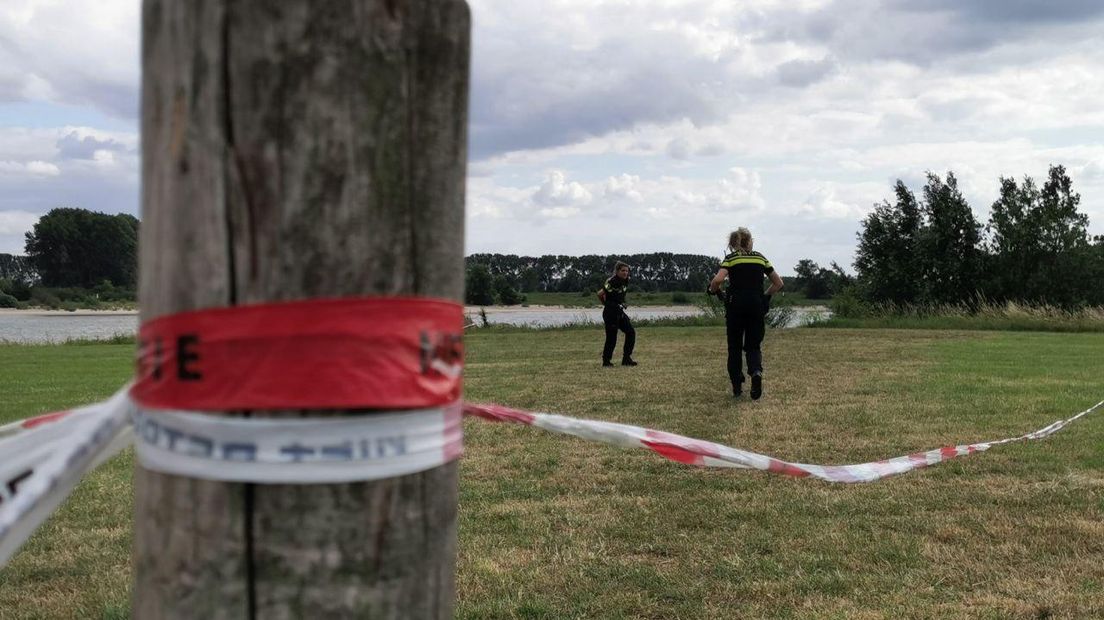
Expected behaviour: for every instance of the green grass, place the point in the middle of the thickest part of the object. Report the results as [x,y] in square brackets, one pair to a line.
[555,527]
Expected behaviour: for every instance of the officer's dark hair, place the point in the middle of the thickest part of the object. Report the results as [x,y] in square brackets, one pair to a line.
[617,267]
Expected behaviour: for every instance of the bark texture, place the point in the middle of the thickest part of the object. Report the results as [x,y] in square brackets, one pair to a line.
[293,150]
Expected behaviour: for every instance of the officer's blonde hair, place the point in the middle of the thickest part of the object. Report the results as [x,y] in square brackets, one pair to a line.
[740,240]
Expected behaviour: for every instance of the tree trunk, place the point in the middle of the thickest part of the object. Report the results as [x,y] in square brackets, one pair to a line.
[293,150]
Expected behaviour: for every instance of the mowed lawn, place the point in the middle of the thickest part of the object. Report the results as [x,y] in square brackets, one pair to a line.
[555,527]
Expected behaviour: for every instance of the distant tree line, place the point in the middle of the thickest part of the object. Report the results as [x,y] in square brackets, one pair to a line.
[1034,248]
[507,277]
[74,257]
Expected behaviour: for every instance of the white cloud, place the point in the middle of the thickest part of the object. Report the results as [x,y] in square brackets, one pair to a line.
[825,203]
[13,226]
[16,222]
[559,192]
[623,187]
[42,168]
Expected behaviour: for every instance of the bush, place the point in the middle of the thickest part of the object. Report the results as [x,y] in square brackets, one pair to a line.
[783,316]
[507,294]
[16,288]
[711,306]
[849,304]
[44,297]
[680,298]
[7,301]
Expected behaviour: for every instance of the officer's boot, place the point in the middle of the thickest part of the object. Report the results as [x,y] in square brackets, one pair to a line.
[738,386]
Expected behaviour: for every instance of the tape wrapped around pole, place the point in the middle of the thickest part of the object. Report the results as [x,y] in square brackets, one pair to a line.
[348,353]
[298,451]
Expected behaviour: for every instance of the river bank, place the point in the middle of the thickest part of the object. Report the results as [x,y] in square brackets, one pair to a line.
[41,326]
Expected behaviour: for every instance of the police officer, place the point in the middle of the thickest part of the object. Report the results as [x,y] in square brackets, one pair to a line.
[745,307]
[612,295]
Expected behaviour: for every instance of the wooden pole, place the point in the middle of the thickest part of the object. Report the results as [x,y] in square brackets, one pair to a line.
[292,150]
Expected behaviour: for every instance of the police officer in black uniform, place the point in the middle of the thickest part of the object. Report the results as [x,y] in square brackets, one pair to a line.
[612,295]
[746,307]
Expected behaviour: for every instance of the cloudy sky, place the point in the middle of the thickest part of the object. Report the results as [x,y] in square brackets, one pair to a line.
[633,126]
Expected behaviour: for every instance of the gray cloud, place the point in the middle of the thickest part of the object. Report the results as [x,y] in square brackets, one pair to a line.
[923,32]
[82,53]
[801,73]
[1029,12]
[73,146]
[679,148]
[539,85]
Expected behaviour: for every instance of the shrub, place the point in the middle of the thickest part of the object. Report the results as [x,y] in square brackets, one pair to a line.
[680,298]
[7,301]
[848,304]
[44,297]
[711,306]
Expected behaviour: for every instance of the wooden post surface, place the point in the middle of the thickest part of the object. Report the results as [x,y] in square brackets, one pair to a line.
[292,150]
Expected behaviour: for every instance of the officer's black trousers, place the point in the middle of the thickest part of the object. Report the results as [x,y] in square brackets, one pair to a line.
[744,314]
[616,319]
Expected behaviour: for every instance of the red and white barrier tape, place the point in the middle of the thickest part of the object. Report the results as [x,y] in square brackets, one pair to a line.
[708,454]
[91,435]
[46,460]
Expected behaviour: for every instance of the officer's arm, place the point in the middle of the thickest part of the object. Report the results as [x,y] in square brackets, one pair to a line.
[718,280]
[602,295]
[776,283]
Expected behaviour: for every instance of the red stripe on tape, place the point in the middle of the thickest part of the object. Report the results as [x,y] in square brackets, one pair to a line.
[352,353]
[43,419]
[498,413]
[787,469]
[675,453]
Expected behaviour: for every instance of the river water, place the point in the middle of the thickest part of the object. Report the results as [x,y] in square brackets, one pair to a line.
[45,327]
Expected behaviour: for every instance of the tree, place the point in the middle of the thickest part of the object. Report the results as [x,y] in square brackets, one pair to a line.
[17,275]
[80,248]
[817,282]
[1038,241]
[810,279]
[530,280]
[949,244]
[507,294]
[479,286]
[886,259]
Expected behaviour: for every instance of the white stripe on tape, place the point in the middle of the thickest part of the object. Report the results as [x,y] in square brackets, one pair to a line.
[298,451]
[97,433]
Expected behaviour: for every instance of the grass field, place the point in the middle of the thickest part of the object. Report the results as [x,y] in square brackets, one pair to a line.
[553,527]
